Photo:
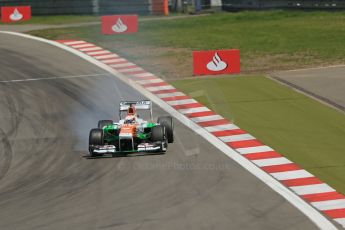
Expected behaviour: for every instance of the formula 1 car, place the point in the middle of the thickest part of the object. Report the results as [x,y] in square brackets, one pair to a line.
[132,134]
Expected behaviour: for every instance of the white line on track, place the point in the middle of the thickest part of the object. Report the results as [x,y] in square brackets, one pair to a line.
[129,70]
[321,221]
[93,48]
[74,42]
[181,102]
[114,60]
[330,204]
[257,149]
[143,82]
[295,174]
[98,52]
[158,88]
[312,189]
[143,75]
[53,78]
[218,128]
[206,118]
[194,110]
[272,161]
[239,137]
[174,94]
[123,65]
[106,56]
[83,45]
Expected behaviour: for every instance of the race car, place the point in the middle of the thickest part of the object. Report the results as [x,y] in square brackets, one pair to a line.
[132,134]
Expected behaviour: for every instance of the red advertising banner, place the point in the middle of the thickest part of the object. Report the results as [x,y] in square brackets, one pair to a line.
[15,13]
[216,62]
[119,24]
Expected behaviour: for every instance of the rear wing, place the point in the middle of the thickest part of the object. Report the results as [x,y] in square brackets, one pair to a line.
[138,105]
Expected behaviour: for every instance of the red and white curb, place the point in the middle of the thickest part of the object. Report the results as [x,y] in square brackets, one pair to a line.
[320,195]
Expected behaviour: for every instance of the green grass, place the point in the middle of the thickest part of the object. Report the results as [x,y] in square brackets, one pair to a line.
[268,40]
[305,131]
[57,20]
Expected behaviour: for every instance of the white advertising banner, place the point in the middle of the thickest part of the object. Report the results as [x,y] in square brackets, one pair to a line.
[216,2]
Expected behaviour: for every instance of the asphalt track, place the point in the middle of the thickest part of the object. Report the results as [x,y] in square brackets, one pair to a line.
[47,182]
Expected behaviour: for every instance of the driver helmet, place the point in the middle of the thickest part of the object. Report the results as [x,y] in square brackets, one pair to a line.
[131,110]
[130,119]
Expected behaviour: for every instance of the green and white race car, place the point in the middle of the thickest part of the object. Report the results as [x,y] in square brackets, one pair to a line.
[132,134]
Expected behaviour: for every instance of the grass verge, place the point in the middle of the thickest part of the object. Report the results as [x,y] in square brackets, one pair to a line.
[305,131]
[268,40]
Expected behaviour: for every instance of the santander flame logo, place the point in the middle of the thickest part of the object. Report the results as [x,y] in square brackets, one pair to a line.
[16,15]
[119,27]
[216,64]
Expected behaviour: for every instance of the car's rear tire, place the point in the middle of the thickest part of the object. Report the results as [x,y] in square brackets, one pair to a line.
[96,137]
[168,123]
[103,123]
[158,135]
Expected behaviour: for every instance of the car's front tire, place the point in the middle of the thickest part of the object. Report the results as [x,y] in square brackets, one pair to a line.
[96,137]
[168,123]
[158,135]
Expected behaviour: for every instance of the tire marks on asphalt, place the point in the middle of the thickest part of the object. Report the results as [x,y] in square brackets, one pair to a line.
[5,154]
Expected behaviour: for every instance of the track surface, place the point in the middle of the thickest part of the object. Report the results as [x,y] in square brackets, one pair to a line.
[46,182]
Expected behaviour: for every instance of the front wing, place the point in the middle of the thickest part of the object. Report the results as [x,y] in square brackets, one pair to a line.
[159,146]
